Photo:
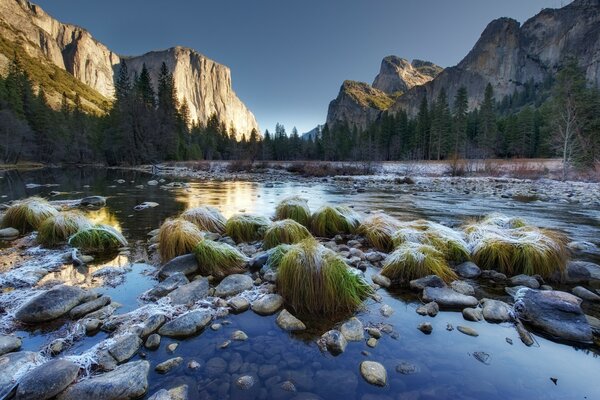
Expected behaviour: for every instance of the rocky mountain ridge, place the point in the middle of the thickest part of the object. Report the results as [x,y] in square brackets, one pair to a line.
[203,83]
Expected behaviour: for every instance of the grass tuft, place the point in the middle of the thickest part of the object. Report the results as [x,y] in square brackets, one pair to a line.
[275,255]
[219,259]
[58,228]
[28,215]
[177,237]
[286,231]
[206,218]
[415,260]
[379,229]
[246,227]
[295,208]
[329,221]
[314,280]
[98,239]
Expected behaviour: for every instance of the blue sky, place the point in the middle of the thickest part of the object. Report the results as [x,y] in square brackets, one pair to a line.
[288,59]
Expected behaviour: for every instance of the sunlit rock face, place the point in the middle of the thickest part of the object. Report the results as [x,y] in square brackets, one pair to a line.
[397,75]
[203,83]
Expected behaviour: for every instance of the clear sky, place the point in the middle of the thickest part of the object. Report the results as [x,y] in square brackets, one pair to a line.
[289,58]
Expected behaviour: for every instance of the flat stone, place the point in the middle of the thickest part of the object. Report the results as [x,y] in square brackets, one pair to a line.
[88,307]
[288,322]
[168,365]
[467,330]
[93,202]
[496,311]
[47,380]
[12,364]
[165,287]
[152,324]
[524,280]
[152,342]
[585,294]
[267,304]
[463,287]
[125,347]
[128,381]
[430,309]
[427,281]
[553,312]
[190,293]
[472,314]
[185,264]
[8,233]
[381,280]
[51,304]
[234,284]
[448,298]
[186,325]
[335,342]
[373,372]
[9,343]
[353,330]
[238,304]
[468,270]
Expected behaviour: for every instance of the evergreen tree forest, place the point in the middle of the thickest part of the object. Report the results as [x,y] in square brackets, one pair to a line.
[555,118]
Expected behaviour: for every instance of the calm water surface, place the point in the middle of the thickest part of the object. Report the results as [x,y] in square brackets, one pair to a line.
[446,366]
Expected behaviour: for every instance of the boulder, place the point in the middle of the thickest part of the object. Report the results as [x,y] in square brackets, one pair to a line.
[9,343]
[524,280]
[190,293]
[468,270]
[88,307]
[168,365]
[427,281]
[124,347]
[234,284]
[267,304]
[93,202]
[185,264]
[353,330]
[152,323]
[448,298]
[51,304]
[472,314]
[496,311]
[152,342]
[47,380]
[186,325]
[12,364]
[578,272]
[128,381]
[288,322]
[585,294]
[430,309]
[238,304]
[8,233]
[463,287]
[555,313]
[334,341]
[373,372]
[381,280]
[165,287]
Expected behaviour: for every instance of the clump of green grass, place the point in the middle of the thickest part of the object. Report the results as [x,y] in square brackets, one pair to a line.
[379,229]
[295,208]
[219,259]
[98,239]
[314,280]
[58,228]
[515,248]
[286,231]
[329,221]
[246,227]
[208,219]
[28,215]
[275,255]
[449,242]
[415,260]
[177,237]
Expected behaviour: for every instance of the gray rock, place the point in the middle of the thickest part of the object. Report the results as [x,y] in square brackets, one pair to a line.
[425,327]
[353,330]
[427,281]
[578,272]
[12,364]
[524,334]
[9,343]
[245,382]
[8,233]
[430,309]
[152,323]
[448,298]
[496,311]
[258,260]
[168,365]
[373,372]
[51,304]
[594,324]
[234,284]
[152,342]
[386,310]
[186,264]
[125,347]
[128,381]
[374,332]
[372,342]
[47,380]
[553,312]
[91,325]
[190,293]
[186,325]
[239,336]
[88,307]
[463,287]
[585,294]
[467,330]
[493,275]
[524,280]
[335,342]
[93,202]
[165,287]
[381,280]
[406,368]
[472,314]
[267,304]
[288,322]
[468,270]
[238,304]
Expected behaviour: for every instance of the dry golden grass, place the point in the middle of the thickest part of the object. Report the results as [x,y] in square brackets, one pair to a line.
[329,221]
[286,231]
[28,215]
[295,208]
[378,229]
[177,237]
[246,227]
[58,228]
[98,239]
[206,218]
[219,259]
[415,260]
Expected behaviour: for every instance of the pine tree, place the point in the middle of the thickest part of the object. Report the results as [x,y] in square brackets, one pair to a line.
[459,125]
[487,127]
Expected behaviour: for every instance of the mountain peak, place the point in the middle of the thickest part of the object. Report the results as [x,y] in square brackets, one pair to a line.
[397,75]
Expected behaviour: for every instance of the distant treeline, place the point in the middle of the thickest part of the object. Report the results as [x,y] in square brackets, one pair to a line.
[559,117]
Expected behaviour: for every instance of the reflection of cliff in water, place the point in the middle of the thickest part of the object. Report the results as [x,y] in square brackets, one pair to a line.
[229,197]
